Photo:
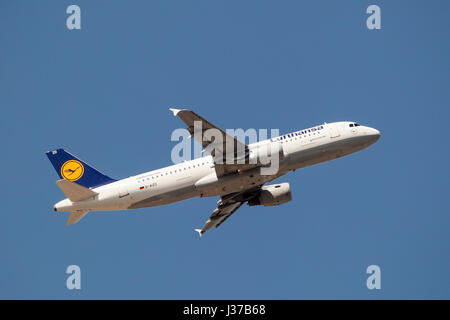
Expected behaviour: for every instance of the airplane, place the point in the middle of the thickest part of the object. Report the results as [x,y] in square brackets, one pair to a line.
[235,182]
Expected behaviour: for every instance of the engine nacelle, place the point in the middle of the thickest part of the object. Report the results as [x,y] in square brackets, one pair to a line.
[272,195]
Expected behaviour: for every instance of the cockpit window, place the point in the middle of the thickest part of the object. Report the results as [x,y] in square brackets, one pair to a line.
[351,124]
[356,125]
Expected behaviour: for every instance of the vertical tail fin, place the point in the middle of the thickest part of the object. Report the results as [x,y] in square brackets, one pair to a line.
[73,169]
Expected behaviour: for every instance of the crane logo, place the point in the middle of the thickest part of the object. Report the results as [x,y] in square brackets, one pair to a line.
[72,170]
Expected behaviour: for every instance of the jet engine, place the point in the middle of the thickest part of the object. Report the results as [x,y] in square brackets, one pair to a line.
[272,195]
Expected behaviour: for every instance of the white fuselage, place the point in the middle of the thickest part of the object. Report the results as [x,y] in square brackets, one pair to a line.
[181,181]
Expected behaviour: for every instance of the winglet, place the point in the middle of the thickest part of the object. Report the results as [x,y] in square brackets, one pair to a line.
[175,111]
[200,232]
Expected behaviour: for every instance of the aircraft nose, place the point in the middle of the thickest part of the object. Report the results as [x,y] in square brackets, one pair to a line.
[373,134]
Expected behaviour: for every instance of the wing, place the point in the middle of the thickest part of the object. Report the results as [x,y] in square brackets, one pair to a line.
[227,205]
[225,149]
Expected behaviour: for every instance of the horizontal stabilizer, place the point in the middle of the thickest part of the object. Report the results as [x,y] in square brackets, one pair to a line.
[76,216]
[74,191]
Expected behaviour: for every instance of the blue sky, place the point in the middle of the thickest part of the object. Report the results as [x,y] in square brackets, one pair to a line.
[103,93]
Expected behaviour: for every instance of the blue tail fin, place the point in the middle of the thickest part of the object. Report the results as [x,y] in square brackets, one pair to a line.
[71,168]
